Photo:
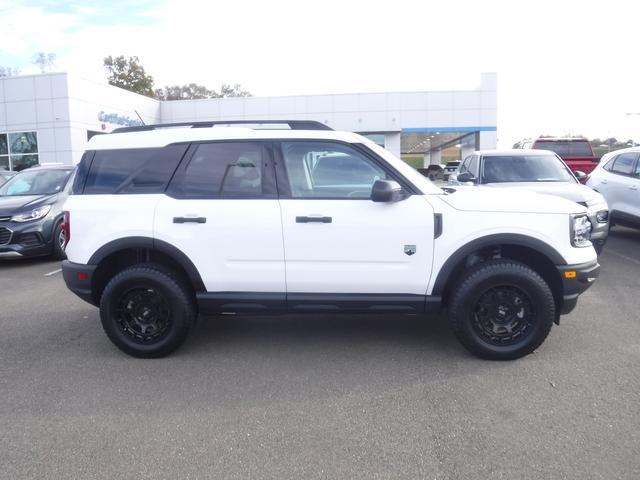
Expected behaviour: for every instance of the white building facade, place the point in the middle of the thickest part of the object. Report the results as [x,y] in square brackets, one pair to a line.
[49,118]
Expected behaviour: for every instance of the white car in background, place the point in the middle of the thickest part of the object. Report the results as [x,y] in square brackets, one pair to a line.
[617,178]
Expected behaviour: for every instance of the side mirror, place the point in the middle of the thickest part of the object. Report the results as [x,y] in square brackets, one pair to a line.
[466,177]
[386,191]
[580,175]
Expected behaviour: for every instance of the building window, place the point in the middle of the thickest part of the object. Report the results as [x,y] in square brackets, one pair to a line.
[18,150]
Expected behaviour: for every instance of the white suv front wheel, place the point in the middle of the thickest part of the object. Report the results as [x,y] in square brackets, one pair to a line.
[501,310]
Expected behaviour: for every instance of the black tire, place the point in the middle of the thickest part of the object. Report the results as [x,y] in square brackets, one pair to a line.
[524,299]
[146,311]
[59,242]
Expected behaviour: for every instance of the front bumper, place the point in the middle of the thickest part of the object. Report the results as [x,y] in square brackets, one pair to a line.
[29,239]
[79,279]
[575,280]
[599,230]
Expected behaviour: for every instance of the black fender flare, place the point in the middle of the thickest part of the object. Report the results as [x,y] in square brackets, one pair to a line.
[487,241]
[153,244]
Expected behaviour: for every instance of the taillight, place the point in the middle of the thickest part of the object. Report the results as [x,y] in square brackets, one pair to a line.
[66,227]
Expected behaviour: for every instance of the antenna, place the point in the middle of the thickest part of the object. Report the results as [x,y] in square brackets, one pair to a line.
[140,117]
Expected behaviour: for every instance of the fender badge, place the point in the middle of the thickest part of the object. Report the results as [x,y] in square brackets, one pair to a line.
[409,249]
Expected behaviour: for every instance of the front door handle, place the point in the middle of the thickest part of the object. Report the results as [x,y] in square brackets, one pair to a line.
[633,187]
[189,219]
[314,219]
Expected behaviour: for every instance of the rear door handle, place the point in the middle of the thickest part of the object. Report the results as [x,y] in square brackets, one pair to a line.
[189,219]
[633,187]
[314,219]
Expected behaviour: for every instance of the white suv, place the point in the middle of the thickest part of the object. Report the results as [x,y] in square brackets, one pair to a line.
[617,178]
[165,223]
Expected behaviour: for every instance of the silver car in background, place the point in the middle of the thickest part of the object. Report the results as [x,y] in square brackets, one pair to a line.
[541,171]
[617,178]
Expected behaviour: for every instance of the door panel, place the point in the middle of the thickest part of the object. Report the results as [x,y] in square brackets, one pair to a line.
[223,213]
[362,250]
[239,248]
[339,241]
[619,181]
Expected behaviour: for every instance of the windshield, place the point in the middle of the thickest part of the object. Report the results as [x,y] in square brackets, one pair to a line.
[40,182]
[525,168]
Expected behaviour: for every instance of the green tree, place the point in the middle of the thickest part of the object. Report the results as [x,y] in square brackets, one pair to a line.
[8,71]
[44,61]
[233,91]
[194,91]
[127,73]
[184,92]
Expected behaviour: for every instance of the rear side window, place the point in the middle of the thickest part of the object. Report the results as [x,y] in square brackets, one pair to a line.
[580,149]
[561,148]
[566,148]
[132,171]
[223,170]
[623,164]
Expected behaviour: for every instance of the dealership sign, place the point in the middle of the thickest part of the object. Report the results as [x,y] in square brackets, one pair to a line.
[116,119]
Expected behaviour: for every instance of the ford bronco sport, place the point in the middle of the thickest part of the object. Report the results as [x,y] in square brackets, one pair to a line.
[167,222]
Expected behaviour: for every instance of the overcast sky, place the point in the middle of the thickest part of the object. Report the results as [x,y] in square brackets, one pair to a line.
[563,66]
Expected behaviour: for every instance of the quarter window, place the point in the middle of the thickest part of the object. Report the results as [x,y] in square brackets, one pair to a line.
[472,168]
[328,170]
[140,170]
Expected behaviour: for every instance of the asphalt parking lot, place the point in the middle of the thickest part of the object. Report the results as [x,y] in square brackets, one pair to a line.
[318,397]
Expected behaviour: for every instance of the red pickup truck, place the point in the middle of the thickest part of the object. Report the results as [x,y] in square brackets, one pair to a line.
[576,152]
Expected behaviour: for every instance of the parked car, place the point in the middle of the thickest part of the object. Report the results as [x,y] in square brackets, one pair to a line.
[450,168]
[617,178]
[539,171]
[167,223]
[6,175]
[575,151]
[31,212]
[432,172]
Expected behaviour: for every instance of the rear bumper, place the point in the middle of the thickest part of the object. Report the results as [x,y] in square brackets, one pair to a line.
[78,278]
[575,280]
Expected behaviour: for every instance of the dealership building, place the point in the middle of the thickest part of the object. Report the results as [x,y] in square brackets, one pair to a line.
[49,118]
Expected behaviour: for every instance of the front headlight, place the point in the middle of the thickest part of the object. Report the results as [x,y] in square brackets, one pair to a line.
[602,216]
[580,231]
[35,214]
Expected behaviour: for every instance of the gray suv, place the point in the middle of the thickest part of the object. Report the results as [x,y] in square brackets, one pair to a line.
[31,212]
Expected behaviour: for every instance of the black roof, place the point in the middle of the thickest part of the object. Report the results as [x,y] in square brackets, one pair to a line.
[293,125]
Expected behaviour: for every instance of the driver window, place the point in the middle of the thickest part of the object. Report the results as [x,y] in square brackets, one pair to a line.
[329,170]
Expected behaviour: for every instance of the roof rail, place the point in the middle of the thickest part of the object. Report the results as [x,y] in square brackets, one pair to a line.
[293,125]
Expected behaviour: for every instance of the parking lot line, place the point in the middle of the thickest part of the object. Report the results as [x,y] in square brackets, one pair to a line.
[624,257]
[53,273]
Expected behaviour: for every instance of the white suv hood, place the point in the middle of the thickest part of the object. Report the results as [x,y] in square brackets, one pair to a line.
[512,200]
[571,191]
